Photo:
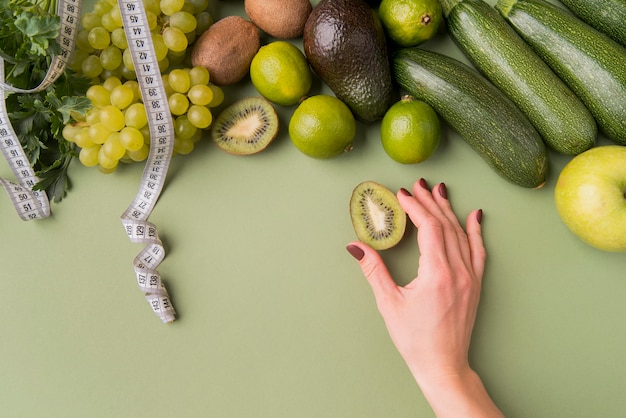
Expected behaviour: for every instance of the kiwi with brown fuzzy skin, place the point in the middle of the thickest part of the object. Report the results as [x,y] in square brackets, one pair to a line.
[226,49]
[377,217]
[282,19]
[246,127]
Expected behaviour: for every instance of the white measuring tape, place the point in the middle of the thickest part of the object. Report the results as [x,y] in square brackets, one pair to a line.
[35,205]
[32,204]
[135,218]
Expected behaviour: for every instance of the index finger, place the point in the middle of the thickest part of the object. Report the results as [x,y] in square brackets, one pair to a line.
[430,234]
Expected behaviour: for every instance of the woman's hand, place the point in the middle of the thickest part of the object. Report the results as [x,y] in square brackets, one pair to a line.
[431,319]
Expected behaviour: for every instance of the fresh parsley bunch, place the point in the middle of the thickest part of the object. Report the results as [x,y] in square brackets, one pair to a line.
[28,31]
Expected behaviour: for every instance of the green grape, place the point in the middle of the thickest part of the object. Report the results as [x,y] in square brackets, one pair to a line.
[101,7]
[197,137]
[136,116]
[134,85]
[169,7]
[91,66]
[183,128]
[127,58]
[111,58]
[112,117]
[145,131]
[183,146]
[179,80]
[199,75]
[82,138]
[92,116]
[200,94]
[116,73]
[108,22]
[198,5]
[188,7]
[122,96]
[98,133]
[82,41]
[176,58]
[113,147]
[106,170]
[184,21]
[118,38]
[166,85]
[140,155]
[116,15]
[111,82]
[90,20]
[99,38]
[69,132]
[89,156]
[131,138]
[128,74]
[77,59]
[218,96]
[153,6]
[178,104]
[99,95]
[164,64]
[105,162]
[199,116]
[175,39]
[159,46]
[153,20]
[191,37]
[204,21]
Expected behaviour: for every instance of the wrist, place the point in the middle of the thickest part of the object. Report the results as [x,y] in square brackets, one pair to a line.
[455,393]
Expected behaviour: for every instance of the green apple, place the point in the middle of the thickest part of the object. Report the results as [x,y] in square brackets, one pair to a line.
[590,196]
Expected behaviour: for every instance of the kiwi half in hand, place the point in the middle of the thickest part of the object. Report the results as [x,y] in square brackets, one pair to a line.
[377,217]
[246,127]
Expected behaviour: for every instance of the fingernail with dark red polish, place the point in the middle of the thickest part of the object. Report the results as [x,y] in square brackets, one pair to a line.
[423,183]
[356,252]
[405,192]
[479,216]
[443,191]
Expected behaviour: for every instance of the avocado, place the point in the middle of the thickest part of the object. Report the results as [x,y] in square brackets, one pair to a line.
[345,44]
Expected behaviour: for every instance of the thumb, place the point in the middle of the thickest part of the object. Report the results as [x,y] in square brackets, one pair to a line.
[374,269]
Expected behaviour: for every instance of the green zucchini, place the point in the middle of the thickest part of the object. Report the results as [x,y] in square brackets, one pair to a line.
[607,16]
[589,62]
[495,49]
[480,113]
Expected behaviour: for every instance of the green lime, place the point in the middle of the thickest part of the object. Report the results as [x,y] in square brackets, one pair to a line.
[410,131]
[281,73]
[322,127]
[410,22]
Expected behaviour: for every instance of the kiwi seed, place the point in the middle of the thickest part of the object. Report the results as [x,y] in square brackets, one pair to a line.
[377,217]
[246,127]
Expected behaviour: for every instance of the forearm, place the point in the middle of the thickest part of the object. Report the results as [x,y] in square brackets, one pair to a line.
[458,395]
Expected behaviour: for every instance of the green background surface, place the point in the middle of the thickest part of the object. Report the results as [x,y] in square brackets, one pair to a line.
[274,316]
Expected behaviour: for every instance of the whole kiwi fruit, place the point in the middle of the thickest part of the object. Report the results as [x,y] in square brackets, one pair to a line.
[226,49]
[282,19]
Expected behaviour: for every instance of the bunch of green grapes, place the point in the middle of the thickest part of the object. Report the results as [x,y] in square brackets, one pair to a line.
[102,48]
[116,128]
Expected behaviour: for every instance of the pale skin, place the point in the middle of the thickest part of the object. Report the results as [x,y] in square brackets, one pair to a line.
[430,320]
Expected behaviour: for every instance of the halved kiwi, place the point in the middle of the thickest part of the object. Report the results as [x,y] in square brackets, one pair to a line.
[246,127]
[377,217]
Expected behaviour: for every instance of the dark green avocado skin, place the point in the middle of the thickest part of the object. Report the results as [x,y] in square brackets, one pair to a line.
[345,44]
